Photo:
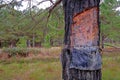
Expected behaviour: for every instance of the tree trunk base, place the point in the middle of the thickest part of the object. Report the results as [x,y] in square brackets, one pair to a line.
[76,74]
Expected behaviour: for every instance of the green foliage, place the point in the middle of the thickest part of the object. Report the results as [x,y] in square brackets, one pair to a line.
[22,42]
[110,19]
[47,41]
[16,27]
[16,51]
[20,51]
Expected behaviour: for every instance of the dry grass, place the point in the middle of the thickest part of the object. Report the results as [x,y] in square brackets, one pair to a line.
[49,68]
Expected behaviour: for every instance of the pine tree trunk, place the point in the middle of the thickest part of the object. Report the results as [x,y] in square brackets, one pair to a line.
[102,42]
[28,42]
[0,44]
[33,40]
[81,58]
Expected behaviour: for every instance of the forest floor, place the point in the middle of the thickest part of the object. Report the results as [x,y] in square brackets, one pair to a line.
[49,68]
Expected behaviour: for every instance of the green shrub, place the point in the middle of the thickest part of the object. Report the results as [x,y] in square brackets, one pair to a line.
[16,51]
[53,51]
[22,42]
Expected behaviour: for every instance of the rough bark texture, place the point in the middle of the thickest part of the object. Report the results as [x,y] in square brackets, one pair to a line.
[81,59]
[76,74]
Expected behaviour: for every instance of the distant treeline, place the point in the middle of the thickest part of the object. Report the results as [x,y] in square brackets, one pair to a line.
[33,28]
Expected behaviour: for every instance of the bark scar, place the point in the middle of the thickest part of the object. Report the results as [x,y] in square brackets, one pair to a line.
[85,28]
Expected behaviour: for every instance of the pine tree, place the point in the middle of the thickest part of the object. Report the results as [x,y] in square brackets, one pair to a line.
[81,59]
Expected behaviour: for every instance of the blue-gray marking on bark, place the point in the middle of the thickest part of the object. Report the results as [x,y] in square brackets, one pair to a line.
[86,58]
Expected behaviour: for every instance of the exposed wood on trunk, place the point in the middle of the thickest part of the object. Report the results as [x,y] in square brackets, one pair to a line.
[85,28]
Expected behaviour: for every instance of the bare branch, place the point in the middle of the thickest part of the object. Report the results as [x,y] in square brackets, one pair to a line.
[45,1]
[57,3]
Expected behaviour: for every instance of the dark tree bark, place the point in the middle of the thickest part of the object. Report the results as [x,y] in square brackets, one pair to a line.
[81,58]
[102,42]
[33,40]
[0,44]
[13,43]
[28,42]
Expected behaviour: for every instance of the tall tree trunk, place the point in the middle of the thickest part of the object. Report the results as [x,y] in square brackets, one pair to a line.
[102,42]
[51,42]
[33,40]
[28,42]
[0,44]
[81,58]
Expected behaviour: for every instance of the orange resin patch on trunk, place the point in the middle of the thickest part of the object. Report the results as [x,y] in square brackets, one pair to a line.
[85,28]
